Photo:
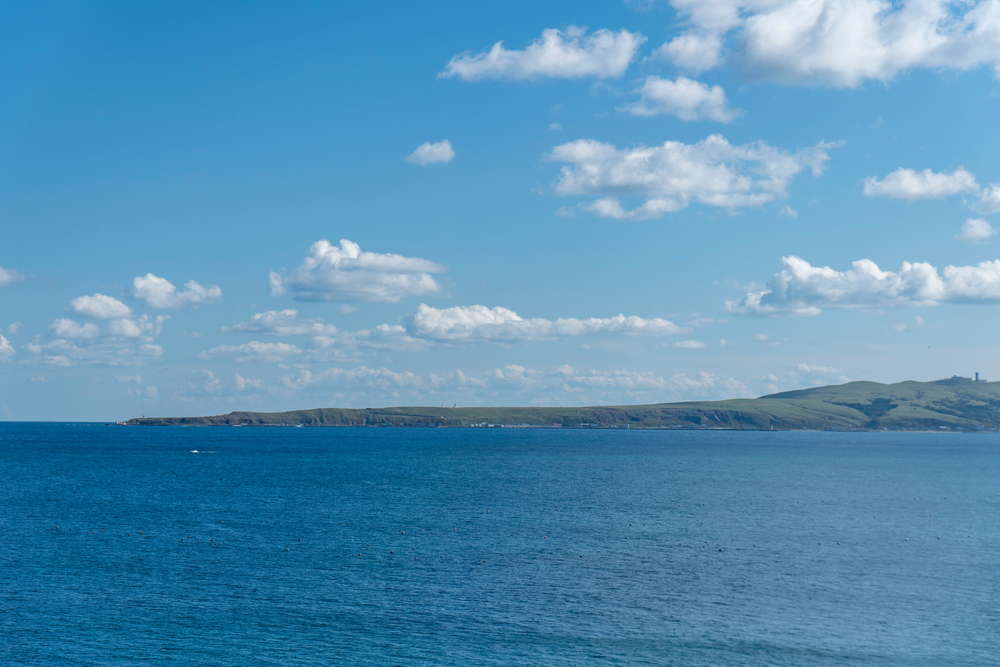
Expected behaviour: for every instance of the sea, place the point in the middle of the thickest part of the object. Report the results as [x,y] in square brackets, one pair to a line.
[435,546]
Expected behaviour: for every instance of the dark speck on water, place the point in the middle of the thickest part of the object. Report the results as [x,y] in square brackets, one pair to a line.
[719,548]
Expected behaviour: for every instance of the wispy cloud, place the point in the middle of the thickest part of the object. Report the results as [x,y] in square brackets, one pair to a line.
[558,54]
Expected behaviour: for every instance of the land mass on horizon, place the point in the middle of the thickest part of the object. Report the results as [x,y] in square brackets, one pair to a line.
[954,403]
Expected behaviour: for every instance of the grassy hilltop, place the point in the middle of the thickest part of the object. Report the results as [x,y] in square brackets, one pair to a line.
[954,403]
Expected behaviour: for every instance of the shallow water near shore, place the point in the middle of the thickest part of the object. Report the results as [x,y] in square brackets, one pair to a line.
[341,546]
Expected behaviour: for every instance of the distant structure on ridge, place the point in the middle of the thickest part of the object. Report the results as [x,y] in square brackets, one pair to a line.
[977,379]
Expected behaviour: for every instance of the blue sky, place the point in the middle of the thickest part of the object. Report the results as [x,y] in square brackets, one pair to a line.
[625,202]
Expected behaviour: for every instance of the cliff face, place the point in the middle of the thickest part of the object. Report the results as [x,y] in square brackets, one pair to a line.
[956,403]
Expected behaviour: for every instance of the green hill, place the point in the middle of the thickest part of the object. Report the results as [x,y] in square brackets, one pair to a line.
[955,403]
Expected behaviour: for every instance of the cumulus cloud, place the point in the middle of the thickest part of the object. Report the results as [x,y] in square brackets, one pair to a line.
[976,230]
[253,351]
[430,326]
[8,276]
[135,328]
[561,54]
[99,306]
[128,379]
[382,337]
[127,341]
[989,199]
[837,43]
[283,323]
[695,52]
[124,327]
[6,349]
[803,289]
[685,98]
[926,184]
[691,344]
[345,273]
[674,174]
[482,324]
[429,153]
[160,293]
[245,383]
[66,328]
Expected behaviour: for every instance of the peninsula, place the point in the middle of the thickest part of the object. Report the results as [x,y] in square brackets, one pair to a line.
[955,403]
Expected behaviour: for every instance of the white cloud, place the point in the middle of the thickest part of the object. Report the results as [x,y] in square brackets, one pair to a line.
[692,51]
[161,293]
[673,175]
[691,344]
[802,289]
[926,184]
[482,324]
[917,322]
[124,327]
[345,273]
[275,283]
[284,323]
[478,324]
[6,349]
[128,379]
[152,392]
[253,351]
[15,327]
[685,98]
[989,199]
[976,230]
[244,383]
[429,153]
[127,341]
[815,374]
[70,329]
[97,352]
[134,328]
[516,384]
[835,42]
[374,378]
[210,384]
[382,337]
[568,54]
[100,306]
[8,276]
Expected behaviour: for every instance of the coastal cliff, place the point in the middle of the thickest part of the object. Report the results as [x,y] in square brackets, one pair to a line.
[955,403]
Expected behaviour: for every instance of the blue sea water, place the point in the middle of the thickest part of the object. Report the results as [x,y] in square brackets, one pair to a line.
[122,546]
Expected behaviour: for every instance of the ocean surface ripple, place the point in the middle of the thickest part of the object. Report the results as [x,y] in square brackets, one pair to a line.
[382,546]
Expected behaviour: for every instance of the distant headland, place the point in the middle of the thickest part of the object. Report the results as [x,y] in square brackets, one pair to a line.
[956,403]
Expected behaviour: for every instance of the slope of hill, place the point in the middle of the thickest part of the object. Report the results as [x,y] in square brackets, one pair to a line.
[957,403]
